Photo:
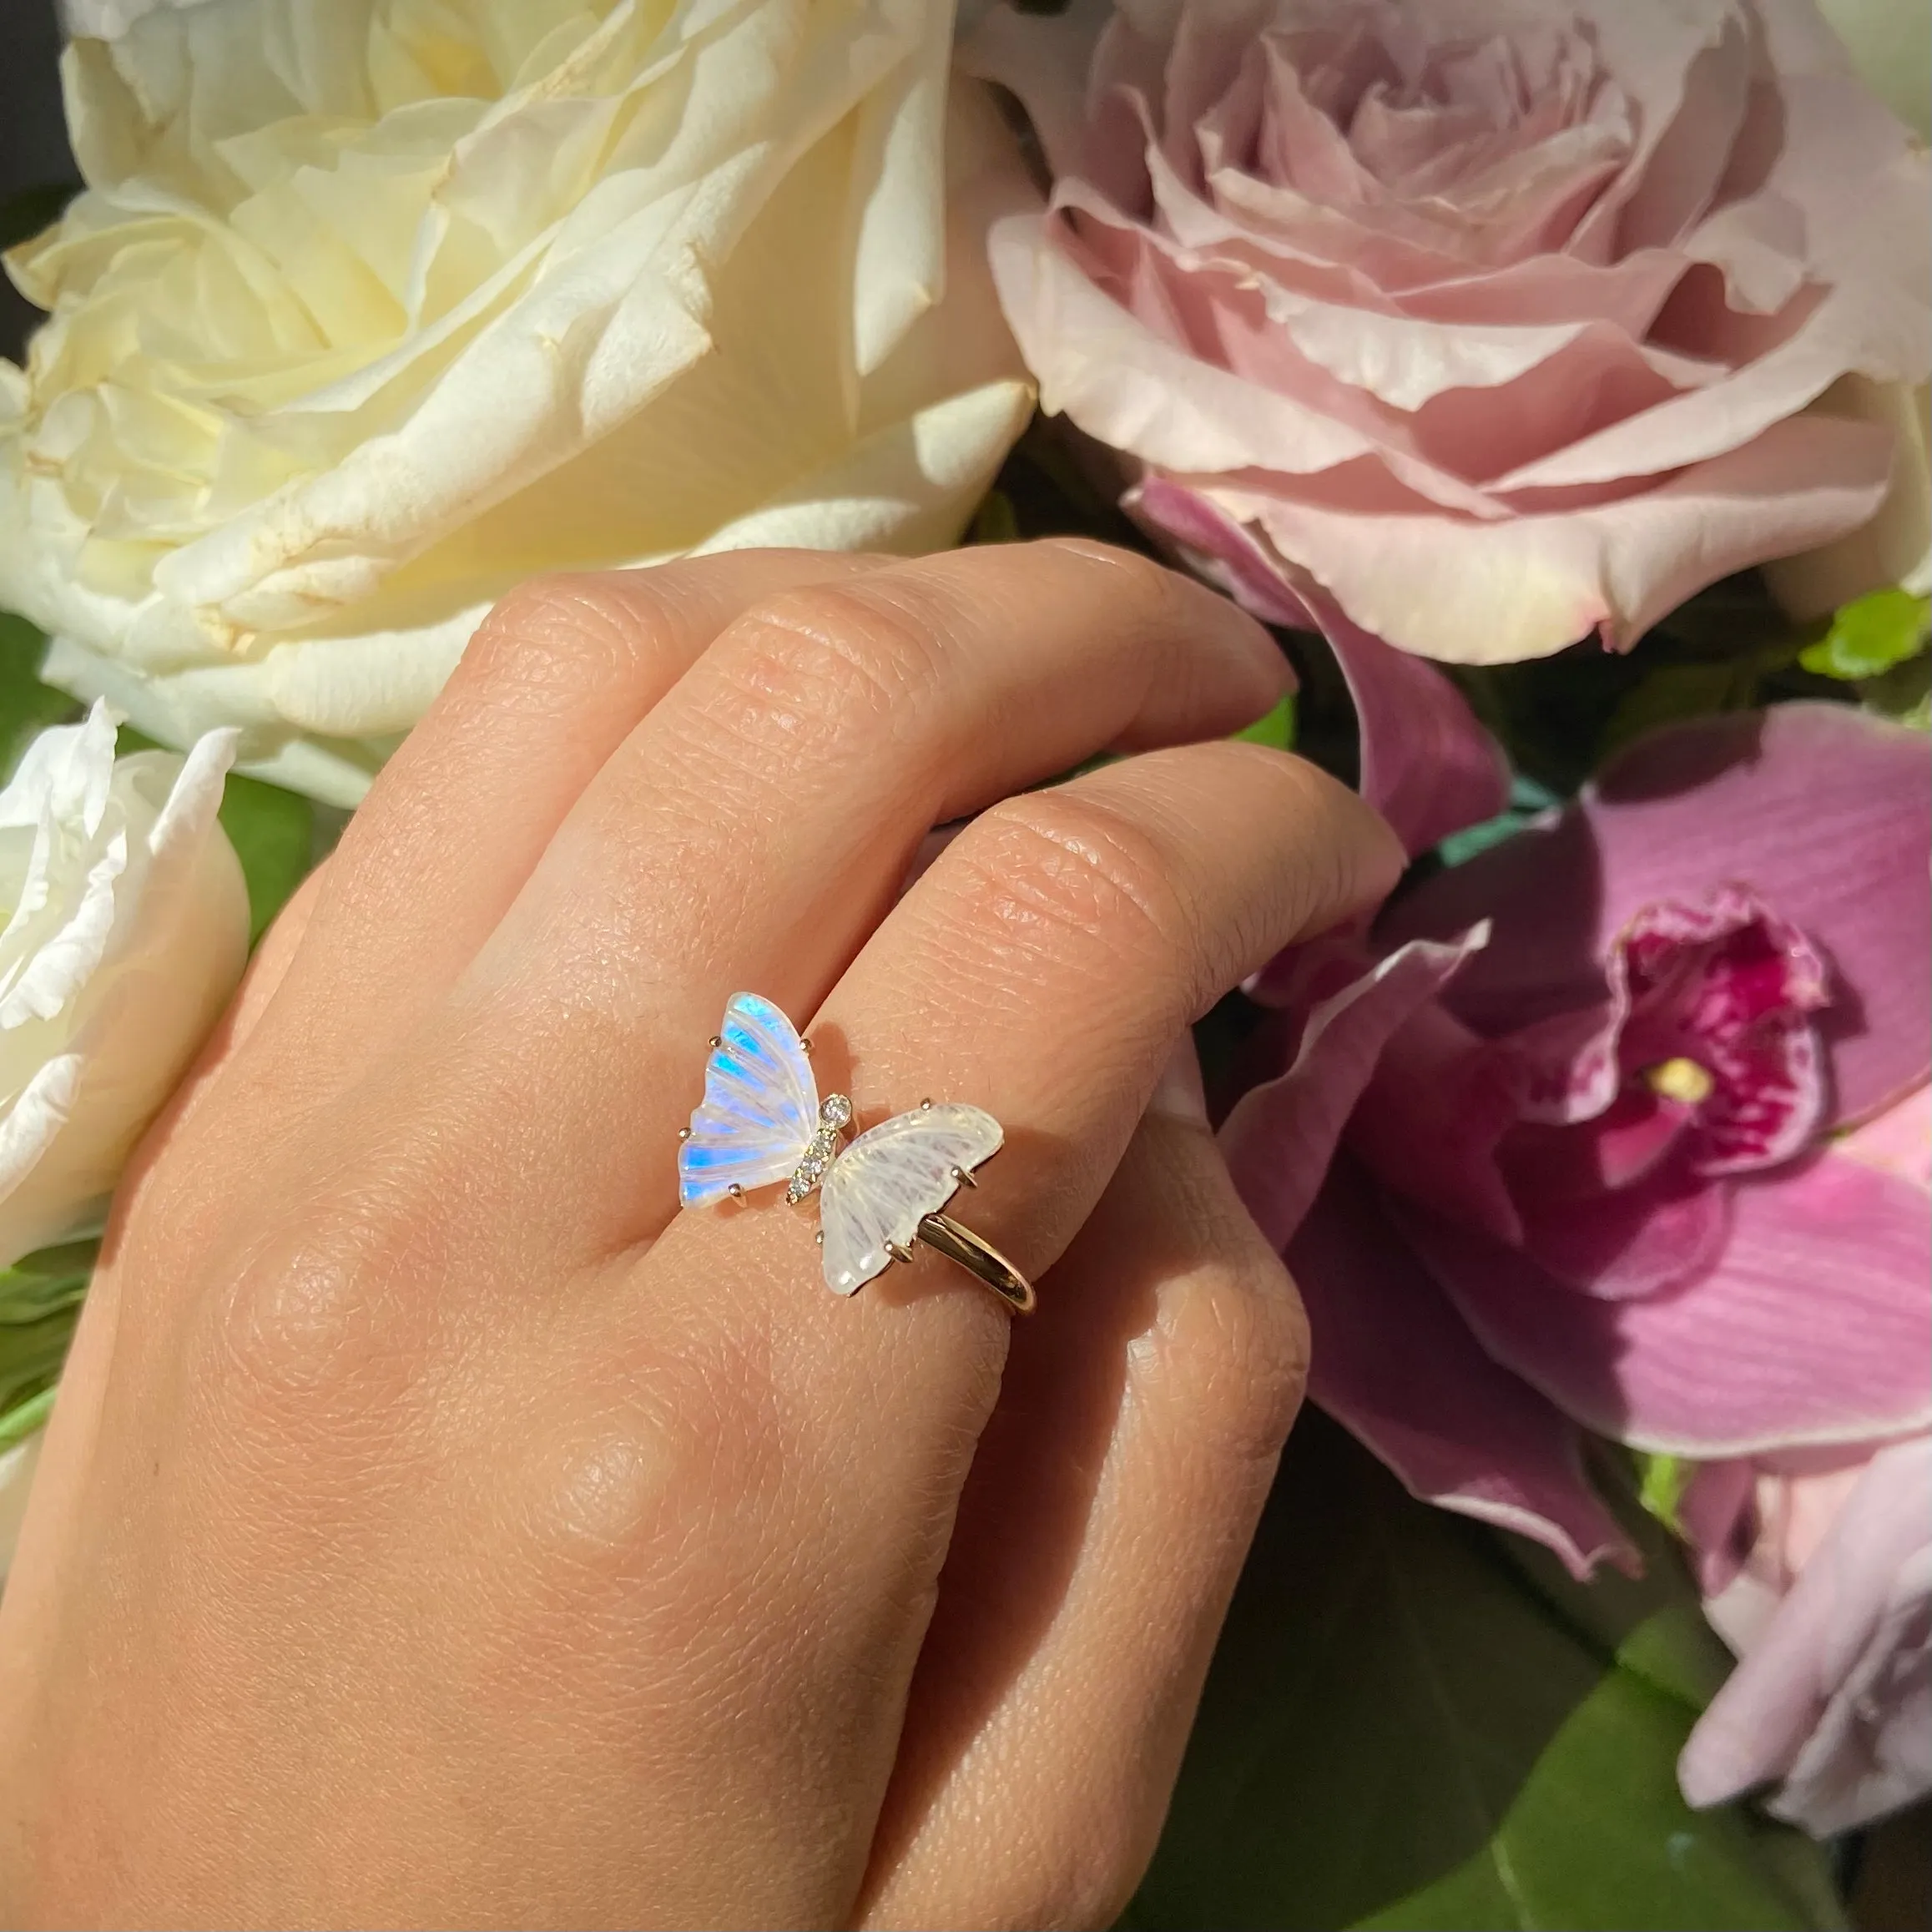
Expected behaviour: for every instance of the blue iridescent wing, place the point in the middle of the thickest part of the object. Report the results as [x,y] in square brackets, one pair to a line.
[760,1108]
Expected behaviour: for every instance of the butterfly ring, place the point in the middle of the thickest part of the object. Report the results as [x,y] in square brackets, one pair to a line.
[761,1120]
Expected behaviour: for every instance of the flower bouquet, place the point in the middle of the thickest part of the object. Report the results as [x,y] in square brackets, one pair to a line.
[1550,375]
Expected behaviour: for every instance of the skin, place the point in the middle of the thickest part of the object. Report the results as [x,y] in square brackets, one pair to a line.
[438,1526]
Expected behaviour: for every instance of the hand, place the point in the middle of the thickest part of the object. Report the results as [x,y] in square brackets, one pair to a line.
[437,1526]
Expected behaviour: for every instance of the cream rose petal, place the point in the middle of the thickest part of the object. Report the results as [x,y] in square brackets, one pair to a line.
[140,937]
[338,357]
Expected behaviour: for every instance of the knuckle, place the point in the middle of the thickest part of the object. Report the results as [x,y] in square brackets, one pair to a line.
[552,634]
[671,1460]
[1055,860]
[830,663]
[1238,1341]
[324,1316]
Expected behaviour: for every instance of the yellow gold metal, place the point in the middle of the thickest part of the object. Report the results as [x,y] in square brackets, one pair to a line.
[717,1041]
[805,1047]
[964,1176]
[902,1255]
[736,1192]
[684,1133]
[978,1258]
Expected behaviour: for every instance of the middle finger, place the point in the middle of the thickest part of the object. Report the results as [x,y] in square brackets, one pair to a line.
[754,829]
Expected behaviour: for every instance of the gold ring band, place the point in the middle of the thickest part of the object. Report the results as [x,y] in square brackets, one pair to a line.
[979,1259]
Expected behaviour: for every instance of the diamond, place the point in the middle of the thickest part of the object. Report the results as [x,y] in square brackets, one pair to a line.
[837,1111]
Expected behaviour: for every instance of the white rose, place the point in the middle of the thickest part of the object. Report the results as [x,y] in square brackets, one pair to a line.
[17,1467]
[372,308]
[126,929]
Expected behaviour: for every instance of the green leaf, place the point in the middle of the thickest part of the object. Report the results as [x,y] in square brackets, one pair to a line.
[20,1422]
[273,832]
[1413,1721]
[1869,636]
[1275,728]
[1661,1489]
[1677,691]
[43,1284]
[26,706]
[40,1298]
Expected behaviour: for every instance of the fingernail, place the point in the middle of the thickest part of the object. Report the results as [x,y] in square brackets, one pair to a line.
[1179,1093]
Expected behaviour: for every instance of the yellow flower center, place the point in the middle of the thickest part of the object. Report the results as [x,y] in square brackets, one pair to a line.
[1680,1079]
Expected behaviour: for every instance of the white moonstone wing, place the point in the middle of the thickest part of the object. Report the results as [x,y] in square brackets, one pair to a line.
[760,1108]
[889,1179]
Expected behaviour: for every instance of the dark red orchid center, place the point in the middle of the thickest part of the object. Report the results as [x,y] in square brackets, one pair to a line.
[1717,1049]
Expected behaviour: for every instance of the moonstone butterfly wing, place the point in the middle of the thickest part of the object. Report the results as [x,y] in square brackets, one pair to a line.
[875,1194]
[760,1108]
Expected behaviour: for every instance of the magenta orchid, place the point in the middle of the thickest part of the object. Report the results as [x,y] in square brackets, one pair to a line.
[1581,1092]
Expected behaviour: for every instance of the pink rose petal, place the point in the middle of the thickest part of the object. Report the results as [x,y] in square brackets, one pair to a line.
[1532,301]
[1492,592]
[1834,1699]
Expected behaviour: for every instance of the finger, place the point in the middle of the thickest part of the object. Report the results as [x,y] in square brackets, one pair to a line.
[1040,970]
[559,672]
[1103,1526]
[757,825]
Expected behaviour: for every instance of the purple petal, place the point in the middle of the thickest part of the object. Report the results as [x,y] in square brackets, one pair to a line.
[1217,548]
[1717,1516]
[1394,1363]
[1814,1327]
[1835,1697]
[1628,1242]
[1427,766]
[1432,1116]
[1631,1138]
[1279,1136]
[1823,812]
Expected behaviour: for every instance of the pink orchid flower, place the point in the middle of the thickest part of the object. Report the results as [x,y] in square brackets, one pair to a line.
[1580,1096]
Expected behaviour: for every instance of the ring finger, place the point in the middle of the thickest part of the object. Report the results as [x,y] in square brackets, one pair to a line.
[1040,970]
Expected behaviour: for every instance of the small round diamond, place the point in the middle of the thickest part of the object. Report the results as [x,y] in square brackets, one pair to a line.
[837,1111]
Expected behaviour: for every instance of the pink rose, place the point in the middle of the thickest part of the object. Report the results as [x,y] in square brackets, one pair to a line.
[1830,1610]
[1490,322]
